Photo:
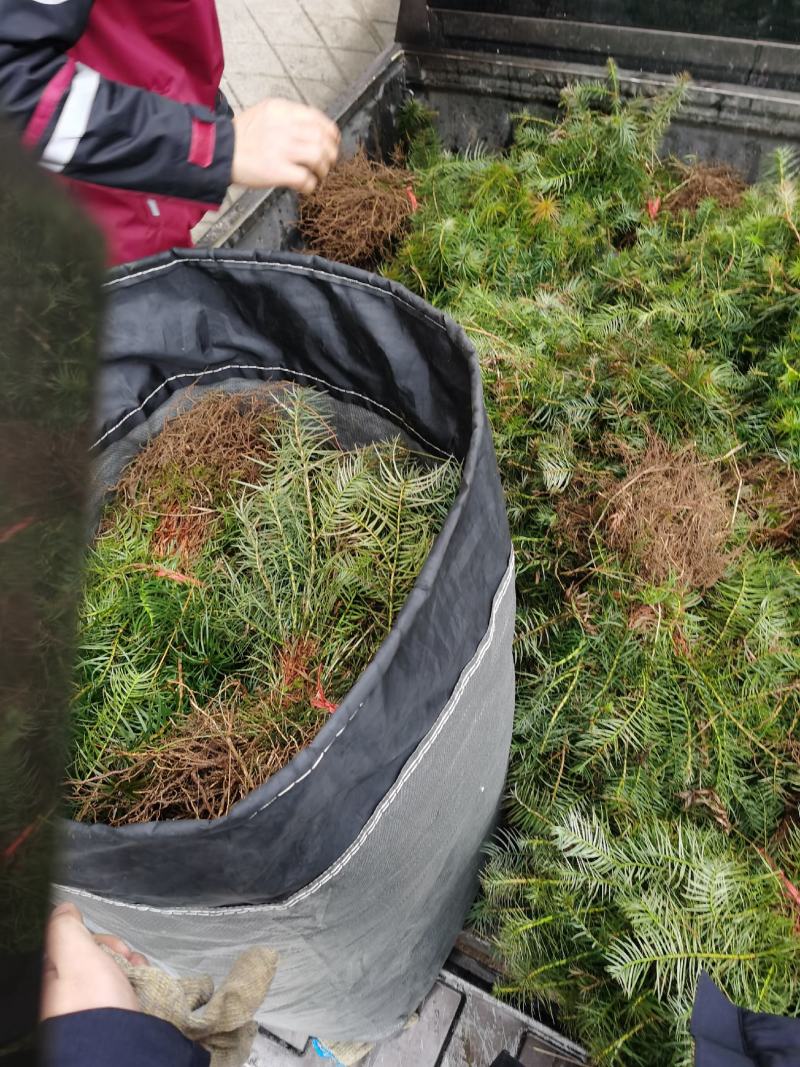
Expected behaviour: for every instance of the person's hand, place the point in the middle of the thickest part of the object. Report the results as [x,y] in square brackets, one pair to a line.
[78,975]
[279,142]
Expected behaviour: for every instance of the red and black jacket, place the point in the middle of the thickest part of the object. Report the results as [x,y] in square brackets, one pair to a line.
[122,96]
[110,1037]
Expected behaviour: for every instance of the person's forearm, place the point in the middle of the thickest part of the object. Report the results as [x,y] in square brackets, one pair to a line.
[140,141]
[93,129]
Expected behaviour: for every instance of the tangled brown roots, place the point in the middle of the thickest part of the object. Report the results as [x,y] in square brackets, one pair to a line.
[184,471]
[704,181]
[358,212]
[219,754]
[671,515]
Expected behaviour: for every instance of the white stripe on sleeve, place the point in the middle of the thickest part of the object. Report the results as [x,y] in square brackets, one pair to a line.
[73,121]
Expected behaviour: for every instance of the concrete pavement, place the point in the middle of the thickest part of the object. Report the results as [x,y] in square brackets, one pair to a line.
[308,50]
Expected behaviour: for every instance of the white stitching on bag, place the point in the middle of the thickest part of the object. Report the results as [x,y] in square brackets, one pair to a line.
[290,268]
[283,370]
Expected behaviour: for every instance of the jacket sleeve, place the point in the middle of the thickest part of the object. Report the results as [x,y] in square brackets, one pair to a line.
[93,129]
[111,1037]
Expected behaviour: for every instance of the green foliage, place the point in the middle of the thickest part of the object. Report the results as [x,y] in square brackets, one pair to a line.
[419,142]
[652,817]
[319,553]
[613,927]
[559,198]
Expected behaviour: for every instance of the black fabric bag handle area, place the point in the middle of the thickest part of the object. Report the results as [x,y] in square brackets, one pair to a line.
[728,1036]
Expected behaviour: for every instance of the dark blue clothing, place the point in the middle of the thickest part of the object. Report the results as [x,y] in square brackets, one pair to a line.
[727,1036]
[111,1037]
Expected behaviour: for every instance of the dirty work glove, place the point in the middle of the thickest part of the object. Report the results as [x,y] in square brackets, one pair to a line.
[220,1021]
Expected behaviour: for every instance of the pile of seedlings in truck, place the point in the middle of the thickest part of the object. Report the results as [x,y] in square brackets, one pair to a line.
[638,323]
[244,574]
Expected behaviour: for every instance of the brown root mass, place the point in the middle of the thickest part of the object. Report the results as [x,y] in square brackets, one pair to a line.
[671,516]
[770,497]
[358,212]
[704,181]
[201,450]
[219,754]
[188,469]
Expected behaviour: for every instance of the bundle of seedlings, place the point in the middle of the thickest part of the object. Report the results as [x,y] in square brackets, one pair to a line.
[638,322]
[245,573]
[358,214]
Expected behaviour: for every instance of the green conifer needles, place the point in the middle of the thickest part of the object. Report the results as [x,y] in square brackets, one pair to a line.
[638,322]
[245,575]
